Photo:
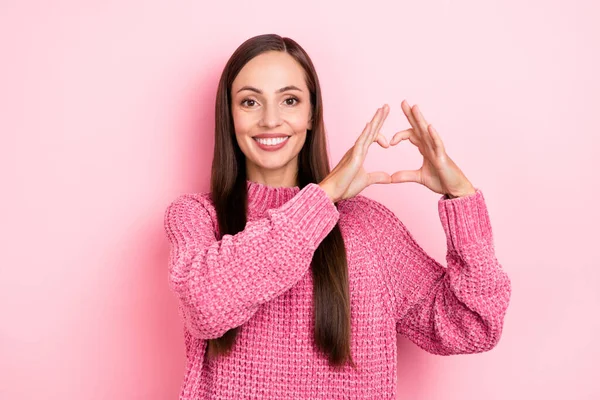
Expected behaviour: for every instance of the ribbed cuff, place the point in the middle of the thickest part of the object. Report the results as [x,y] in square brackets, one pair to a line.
[312,212]
[465,220]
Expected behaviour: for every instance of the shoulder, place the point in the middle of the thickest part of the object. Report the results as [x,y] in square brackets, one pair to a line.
[189,200]
[189,206]
[189,220]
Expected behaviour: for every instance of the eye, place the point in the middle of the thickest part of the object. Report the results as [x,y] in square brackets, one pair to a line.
[291,98]
[245,102]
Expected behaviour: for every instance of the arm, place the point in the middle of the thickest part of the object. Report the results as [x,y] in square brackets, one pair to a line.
[455,310]
[221,283]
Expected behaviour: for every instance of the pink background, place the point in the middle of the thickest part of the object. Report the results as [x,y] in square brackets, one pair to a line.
[106,115]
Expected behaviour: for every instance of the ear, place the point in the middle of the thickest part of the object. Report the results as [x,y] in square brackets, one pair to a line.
[310,121]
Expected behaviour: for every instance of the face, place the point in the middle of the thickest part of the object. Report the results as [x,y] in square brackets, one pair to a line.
[270,96]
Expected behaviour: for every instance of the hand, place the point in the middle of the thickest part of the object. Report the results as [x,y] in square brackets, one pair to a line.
[349,177]
[438,172]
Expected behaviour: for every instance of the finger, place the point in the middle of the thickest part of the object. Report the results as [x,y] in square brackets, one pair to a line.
[409,115]
[368,129]
[378,177]
[382,141]
[406,176]
[386,111]
[363,134]
[374,134]
[376,124]
[403,135]
[423,125]
[419,117]
[379,110]
[370,136]
[437,141]
[400,136]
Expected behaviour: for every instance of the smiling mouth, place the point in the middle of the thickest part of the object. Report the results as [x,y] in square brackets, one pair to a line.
[271,141]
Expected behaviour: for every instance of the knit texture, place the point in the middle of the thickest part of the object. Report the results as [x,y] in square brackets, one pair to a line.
[260,279]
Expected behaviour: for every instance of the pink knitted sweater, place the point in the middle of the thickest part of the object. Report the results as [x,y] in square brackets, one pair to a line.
[260,279]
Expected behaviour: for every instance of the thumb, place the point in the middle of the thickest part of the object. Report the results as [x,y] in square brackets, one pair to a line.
[406,176]
[378,177]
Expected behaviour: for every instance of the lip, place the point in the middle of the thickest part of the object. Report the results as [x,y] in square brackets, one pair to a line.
[266,147]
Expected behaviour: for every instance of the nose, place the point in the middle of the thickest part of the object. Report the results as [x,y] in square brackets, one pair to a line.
[270,117]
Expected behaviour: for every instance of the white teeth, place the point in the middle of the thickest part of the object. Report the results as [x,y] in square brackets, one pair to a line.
[271,141]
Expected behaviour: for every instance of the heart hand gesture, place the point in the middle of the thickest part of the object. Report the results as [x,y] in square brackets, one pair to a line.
[439,173]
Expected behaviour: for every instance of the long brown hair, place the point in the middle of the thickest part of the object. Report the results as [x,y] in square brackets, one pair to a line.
[229,192]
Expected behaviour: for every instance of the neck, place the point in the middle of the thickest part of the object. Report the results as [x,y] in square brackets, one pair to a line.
[262,197]
[282,177]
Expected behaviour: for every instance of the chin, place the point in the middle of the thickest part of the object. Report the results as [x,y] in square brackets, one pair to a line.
[272,164]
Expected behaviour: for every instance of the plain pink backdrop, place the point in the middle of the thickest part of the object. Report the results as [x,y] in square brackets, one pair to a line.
[106,115]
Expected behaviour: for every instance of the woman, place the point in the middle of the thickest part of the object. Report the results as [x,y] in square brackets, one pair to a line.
[293,285]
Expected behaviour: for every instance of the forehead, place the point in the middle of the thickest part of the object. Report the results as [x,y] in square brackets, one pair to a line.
[271,71]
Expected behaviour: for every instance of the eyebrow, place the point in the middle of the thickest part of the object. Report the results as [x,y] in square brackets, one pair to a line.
[283,89]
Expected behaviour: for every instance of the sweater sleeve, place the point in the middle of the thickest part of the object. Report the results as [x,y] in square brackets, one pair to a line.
[458,309]
[220,284]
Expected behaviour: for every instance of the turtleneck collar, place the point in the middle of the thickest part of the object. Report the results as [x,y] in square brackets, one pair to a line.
[263,197]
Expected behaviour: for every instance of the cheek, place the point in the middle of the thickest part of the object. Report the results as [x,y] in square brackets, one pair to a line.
[299,121]
[241,122]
